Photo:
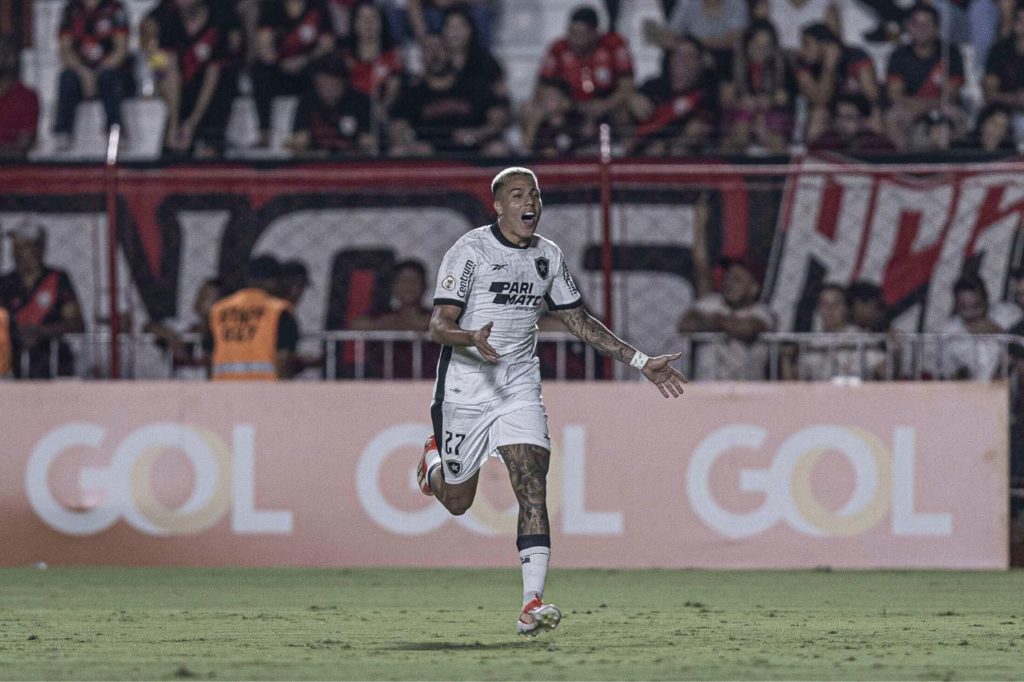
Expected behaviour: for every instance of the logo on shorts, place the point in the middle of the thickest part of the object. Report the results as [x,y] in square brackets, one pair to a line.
[448,282]
[542,267]
[454,467]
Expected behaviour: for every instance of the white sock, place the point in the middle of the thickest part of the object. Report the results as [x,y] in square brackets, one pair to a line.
[534,562]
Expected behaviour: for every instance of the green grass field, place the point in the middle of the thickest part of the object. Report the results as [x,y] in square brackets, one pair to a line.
[459,624]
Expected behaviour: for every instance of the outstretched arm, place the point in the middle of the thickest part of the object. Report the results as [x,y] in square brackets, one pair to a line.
[657,369]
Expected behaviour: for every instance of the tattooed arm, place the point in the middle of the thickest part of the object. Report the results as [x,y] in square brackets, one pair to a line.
[657,369]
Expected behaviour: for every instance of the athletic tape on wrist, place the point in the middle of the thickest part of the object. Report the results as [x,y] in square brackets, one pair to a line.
[639,360]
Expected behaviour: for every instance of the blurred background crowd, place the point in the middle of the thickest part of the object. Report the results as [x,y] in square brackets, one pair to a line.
[207,79]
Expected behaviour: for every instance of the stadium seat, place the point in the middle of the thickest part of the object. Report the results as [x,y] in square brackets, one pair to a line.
[144,122]
[243,131]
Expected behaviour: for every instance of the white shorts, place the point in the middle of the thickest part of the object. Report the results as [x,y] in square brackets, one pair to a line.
[467,434]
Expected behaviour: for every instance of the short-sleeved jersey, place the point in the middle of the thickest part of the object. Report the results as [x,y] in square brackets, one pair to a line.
[335,128]
[593,76]
[92,31]
[493,280]
[924,77]
[294,36]
[1006,64]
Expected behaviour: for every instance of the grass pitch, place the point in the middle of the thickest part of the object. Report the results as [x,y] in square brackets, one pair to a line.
[103,623]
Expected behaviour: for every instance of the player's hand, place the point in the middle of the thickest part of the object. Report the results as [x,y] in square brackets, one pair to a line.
[480,341]
[668,379]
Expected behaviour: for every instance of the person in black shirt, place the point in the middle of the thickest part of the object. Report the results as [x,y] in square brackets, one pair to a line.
[443,113]
[292,35]
[332,119]
[922,76]
[194,55]
[94,53]
[43,307]
[678,110]
[1003,82]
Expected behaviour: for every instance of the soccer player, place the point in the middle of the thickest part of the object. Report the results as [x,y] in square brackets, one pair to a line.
[489,295]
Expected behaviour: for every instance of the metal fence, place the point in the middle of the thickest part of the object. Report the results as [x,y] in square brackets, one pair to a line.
[361,355]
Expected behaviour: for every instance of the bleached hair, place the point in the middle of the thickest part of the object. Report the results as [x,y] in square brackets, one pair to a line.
[500,178]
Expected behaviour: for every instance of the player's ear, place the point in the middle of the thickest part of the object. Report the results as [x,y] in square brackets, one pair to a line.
[497,207]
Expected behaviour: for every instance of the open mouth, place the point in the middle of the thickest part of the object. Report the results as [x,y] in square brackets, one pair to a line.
[528,218]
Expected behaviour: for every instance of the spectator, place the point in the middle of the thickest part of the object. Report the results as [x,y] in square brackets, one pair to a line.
[890,16]
[407,313]
[442,113]
[172,337]
[826,69]
[734,312]
[426,17]
[373,60]
[923,75]
[935,132]
[960,357]
[294,280]
[718,24]
[759,100]
[253,333]
[1003,82]
[94,54]
[471,58]
[993,132]
[292,36]
[332,119]
[190,53]
[555,128]
[791,17]
[5,344]
[867,307]
[19,106]
[821,359]
[598,70]
[851,130]
[43,307]
[677,111]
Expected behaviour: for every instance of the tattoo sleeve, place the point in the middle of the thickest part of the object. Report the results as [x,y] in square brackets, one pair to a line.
[589,329]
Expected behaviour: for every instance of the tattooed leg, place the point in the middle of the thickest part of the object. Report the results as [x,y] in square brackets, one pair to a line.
[528,471]
[457,499]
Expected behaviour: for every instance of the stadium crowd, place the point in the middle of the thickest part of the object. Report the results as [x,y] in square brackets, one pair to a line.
[422,77]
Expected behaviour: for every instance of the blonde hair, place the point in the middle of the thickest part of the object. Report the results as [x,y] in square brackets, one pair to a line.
[500,178]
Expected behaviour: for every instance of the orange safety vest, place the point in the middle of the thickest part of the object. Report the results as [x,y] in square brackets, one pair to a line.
[244,327]
[5,343]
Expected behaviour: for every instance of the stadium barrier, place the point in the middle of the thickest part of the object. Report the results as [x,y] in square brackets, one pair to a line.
[626,231]
[411,355]
[738,475]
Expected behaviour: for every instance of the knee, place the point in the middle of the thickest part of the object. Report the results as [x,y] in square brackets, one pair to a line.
[458,507]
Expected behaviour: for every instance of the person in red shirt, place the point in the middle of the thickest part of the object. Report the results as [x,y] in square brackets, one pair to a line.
[292,35]
[94,52]
[19,106]
[597,68]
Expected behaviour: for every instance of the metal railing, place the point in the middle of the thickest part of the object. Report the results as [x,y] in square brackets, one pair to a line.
[773,356]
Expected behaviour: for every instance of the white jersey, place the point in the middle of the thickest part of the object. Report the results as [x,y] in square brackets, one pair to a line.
[494,280]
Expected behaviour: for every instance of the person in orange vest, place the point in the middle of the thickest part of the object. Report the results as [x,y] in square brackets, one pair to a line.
[253,333]
[5,343]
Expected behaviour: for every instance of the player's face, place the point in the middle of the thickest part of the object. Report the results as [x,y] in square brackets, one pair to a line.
[518,207]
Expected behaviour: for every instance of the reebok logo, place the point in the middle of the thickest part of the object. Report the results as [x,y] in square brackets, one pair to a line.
[515,293]
[498,266]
